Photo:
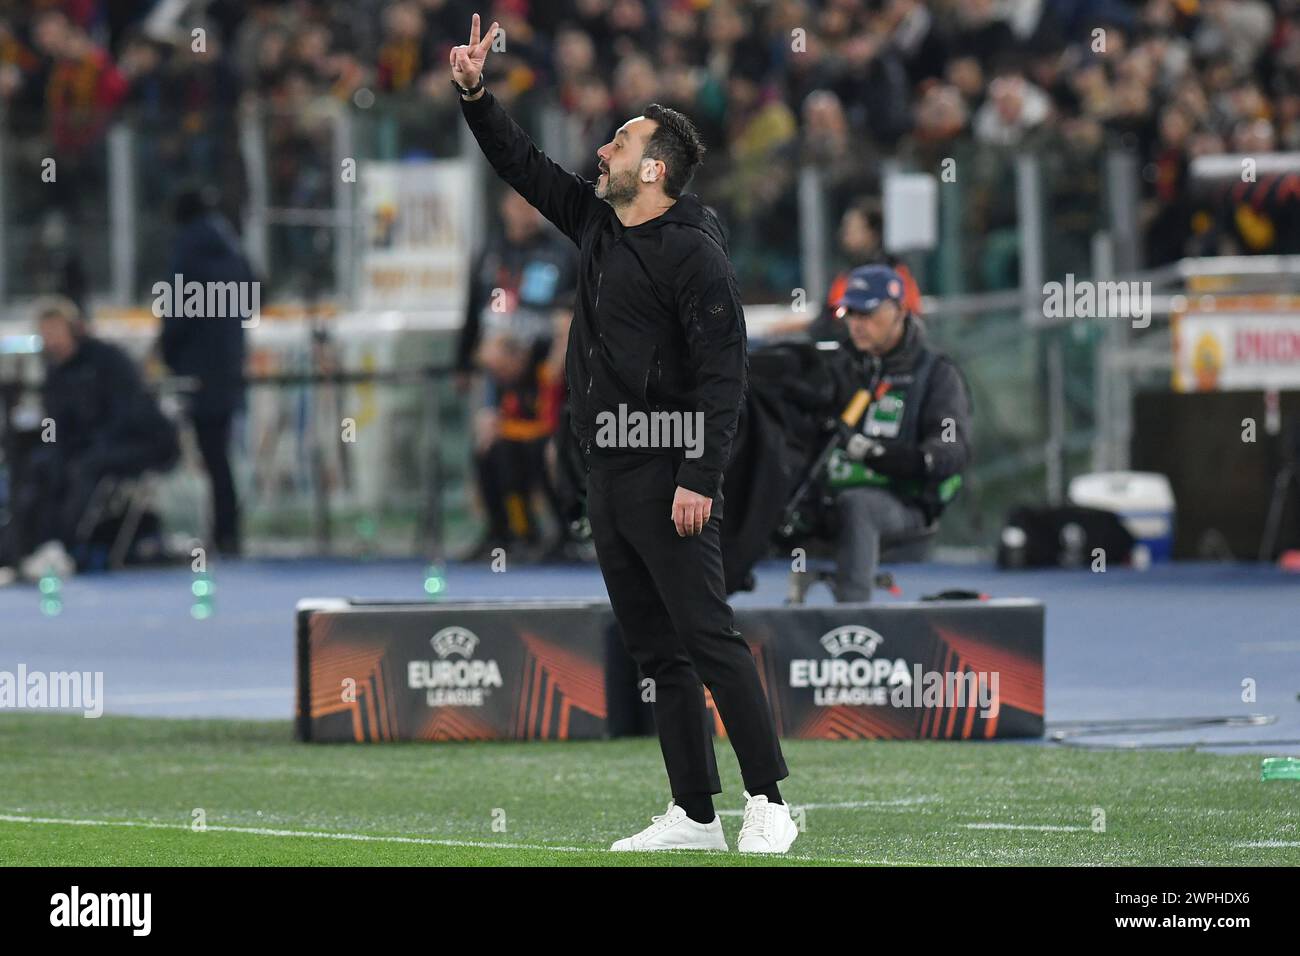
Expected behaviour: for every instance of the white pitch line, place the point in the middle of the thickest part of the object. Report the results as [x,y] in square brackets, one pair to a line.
[267,831]
[1039,827]
[1267,646]
[849,805]
[1267,844]
[368,838]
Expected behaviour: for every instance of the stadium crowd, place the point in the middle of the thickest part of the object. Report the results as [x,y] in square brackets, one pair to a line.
[841,84]
[836,86]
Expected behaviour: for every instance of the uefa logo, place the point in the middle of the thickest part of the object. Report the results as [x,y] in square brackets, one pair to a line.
[454,640]
[851,638]
[456,678]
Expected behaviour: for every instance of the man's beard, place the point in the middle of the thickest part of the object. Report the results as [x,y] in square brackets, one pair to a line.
[620,189]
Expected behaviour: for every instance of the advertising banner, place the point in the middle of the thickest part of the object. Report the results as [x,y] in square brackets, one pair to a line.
[526,671]
[557,670]
[417,240]
[958,670]
[1232,351]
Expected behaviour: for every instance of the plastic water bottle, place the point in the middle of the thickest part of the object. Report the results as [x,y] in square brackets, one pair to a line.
[435,581]
[1280,768]
[51,586]
[203,589]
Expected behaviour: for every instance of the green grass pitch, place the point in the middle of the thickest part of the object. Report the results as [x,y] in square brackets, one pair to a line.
[124,791]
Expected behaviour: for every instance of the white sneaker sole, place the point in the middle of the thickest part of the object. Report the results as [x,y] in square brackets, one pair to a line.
[784,847]
[660,849]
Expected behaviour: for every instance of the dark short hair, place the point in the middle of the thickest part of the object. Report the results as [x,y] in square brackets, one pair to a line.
[192,201]
[676,143]
[868,207]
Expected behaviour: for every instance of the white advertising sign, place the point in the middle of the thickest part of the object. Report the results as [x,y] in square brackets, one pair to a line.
[1236,351]
[416,249]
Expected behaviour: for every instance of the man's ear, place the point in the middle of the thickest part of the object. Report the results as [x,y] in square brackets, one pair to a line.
[648,172]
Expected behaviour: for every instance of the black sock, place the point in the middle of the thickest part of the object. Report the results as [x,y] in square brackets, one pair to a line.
[698,806]
[771,791]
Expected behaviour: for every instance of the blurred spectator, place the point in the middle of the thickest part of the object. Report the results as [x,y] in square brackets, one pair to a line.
[99,423]
[966,74]
[524,265]
[84,83]
[846,168]
[1015,107]
[859,244]
[22,86]
[141,63]
[636,85]
[941,117]
[1235,28]
[757,193]
[861,235]
[524,272]
[210,349]
[524,368]
[918,79]
[914,33]
[873,84]
[406,51]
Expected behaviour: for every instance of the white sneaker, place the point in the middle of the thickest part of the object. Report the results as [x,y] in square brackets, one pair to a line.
[767,827]
[49,558]
[674,830]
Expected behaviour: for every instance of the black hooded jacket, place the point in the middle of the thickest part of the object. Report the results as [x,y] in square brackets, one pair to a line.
[210,348]
[103,411]
[657,325]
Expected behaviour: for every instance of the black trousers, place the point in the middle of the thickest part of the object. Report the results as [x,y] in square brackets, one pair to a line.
[509,471]
[212,433]
[668,595]
[53,487]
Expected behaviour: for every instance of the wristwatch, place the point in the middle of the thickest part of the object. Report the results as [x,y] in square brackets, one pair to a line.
[464,92]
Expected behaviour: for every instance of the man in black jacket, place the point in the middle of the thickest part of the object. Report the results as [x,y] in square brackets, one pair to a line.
[904,465]
[657,339]
[210,348]
[99,422]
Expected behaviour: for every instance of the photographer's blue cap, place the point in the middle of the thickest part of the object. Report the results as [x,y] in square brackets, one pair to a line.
[868,286]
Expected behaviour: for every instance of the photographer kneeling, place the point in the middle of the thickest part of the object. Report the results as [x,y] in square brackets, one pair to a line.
[903,464]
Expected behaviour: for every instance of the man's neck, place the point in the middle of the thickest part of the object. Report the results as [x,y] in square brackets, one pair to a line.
[643,209]
[897,343]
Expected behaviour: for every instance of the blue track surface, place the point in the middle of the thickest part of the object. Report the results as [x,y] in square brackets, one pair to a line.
[1175,641]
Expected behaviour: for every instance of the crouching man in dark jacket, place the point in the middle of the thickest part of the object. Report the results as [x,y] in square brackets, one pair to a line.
[904,465]
[656,366]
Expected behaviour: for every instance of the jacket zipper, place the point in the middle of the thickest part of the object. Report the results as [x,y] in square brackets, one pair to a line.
[595,308]
[591,377]
[651,370]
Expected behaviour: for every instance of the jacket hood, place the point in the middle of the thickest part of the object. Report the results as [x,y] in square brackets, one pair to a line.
[690,211]
[209,237]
